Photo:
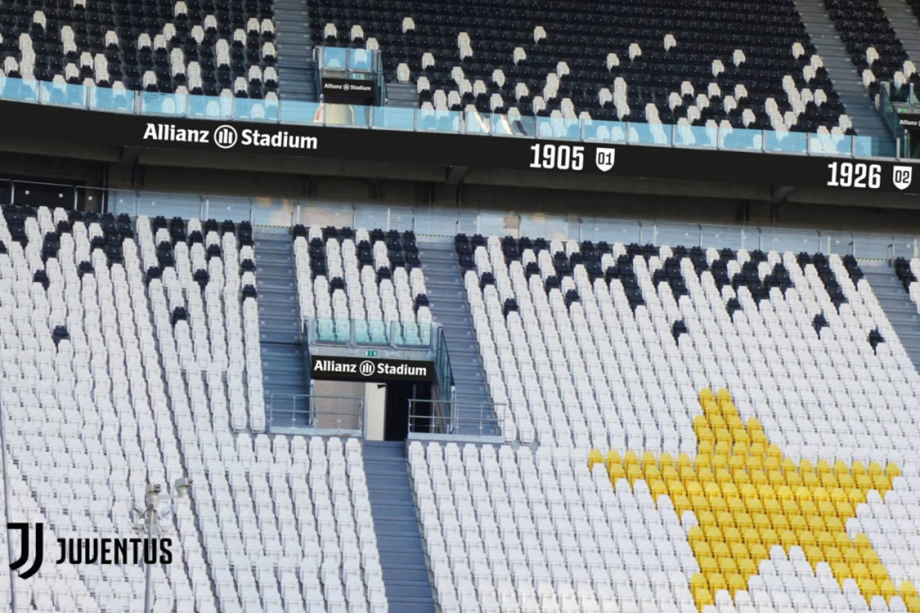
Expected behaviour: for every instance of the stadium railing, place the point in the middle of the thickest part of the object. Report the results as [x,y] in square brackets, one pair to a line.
[446,222]
[449,122]
[317,414]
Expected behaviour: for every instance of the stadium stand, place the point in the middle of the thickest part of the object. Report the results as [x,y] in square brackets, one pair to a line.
[549,531]
[689,429]
[357,282]
[578,309]
[223,48]
[604,346]
[641,61]
[128,362]
[871,42]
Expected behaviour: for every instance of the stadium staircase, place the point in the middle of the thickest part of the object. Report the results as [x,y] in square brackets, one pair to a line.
[847,82]
[450,309]
[901,312]
[295,51]
[281,335]
[905,25]
[399,540]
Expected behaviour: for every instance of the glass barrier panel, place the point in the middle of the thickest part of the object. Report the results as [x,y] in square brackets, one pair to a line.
[695,136]
[301,112]
[741,139]
[255,110]
[372,332]
[440,121]
[330,330]
[503,125]
[869,146]
[335,58]
[785,142]
[108,99]
[649,134]
[153,204]
[62,94]
[393,118]
[605,131]
[411,334]
[477,123]
[830,144]
[784,239]
[360,60]
[561,128]
[899,94]
[156,103]
[19,89]
[732,237]
[346,115]
[211,107]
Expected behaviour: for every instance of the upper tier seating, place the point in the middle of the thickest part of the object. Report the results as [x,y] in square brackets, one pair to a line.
[128,362]
[358,282]
[643,60]
[871,42]
[208,47]
[606,346]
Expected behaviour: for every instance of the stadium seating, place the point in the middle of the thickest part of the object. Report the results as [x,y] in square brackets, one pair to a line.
[358,282]
[554,530]
[127,362]
[606,346]
[907,271]
[658,61]
[88,425]
[214,48]
[871,42]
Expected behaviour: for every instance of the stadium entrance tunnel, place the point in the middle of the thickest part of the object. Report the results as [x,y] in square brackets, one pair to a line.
[376,397]
[378,410]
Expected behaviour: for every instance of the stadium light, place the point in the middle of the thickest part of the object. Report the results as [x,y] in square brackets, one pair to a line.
[152,514]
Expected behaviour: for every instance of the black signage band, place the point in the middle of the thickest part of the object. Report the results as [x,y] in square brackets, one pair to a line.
[56,124]
[369,370]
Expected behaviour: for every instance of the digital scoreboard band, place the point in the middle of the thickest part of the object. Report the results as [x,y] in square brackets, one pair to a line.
[53,125]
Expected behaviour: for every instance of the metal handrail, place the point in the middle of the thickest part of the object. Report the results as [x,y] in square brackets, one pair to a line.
[444,418]
[311,412]
[446,223]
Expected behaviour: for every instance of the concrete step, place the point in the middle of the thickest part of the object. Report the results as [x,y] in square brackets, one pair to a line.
[898,307]
[402,556]
[844,76]
[280,329]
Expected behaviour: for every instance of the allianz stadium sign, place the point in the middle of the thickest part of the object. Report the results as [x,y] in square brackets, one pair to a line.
[369,370]
[53,127]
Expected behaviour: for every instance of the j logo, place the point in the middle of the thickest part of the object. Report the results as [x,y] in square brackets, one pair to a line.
[24,557]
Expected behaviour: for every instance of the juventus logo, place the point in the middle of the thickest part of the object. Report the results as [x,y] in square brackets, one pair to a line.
[23,528]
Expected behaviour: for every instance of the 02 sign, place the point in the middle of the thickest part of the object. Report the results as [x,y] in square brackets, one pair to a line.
[548,156]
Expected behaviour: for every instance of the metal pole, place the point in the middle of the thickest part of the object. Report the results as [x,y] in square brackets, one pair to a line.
[148,568]
[6,508]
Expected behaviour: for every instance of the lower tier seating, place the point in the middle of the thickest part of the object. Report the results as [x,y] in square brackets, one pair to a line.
[130,356]
[736,526]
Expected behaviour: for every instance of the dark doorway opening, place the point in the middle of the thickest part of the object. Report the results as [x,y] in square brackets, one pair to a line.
[398,396]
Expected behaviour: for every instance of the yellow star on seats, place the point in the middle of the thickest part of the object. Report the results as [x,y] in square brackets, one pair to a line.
[747,498]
